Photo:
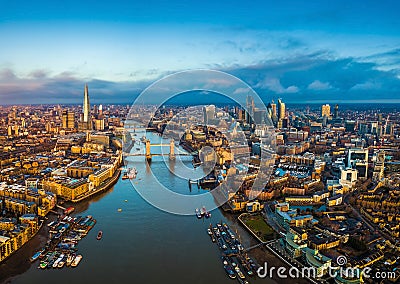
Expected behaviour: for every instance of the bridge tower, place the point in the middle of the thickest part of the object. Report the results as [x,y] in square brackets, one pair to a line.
[148,153]
[172,150]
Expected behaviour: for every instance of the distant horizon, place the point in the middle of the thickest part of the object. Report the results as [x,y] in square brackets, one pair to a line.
[317,50]
[377,104]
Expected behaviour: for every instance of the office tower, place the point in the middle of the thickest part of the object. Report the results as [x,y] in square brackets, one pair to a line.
[250,105]
[379,166]
[209,114]
[95,110]
[86,121]
[68,119]
[269,110]
[259,116]
[100,109]
[249,109]
[349,125]
[86,105]
[358,159]
[281,109]
[273,106]
[99,124]
[326,110]
[336,115]
[363,128]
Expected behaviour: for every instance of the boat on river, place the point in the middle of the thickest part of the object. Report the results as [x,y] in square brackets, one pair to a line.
[76,261]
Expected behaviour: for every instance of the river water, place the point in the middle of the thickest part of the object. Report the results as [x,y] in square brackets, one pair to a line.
[142,244]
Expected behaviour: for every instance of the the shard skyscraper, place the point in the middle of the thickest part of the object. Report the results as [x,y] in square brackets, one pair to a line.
[86,105]
[86,121]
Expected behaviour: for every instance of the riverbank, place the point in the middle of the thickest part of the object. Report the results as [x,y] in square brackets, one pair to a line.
[109,183]
[264,255]
[19,261]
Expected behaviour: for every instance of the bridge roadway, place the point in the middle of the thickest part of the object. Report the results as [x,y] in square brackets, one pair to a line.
[143,154]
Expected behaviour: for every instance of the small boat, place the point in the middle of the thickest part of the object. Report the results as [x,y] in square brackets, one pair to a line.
[132,173]
[36,255]
[99,235]
[70,259]
[76,261]
[125,176]
[209,232]
[43,264]
[61,263]
[239,273]
[60,258]
[119,210]
[198,214]
[69,210]
[230,271]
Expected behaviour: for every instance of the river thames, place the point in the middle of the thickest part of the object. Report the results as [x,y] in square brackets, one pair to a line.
[141,244]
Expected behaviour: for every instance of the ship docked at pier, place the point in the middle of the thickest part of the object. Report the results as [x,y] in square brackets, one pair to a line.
[130,173]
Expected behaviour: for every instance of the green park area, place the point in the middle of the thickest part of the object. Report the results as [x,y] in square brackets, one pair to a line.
[257,224]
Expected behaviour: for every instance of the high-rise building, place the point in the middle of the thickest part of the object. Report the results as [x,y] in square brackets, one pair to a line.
[99,124]
[86,105]
[209,114]
[250,109]
[358,159]
[281,109]
[259,116]
[68,119]
[326,110]
[269,110]
[86,120]
[273,106]
[336,115]
[350,125]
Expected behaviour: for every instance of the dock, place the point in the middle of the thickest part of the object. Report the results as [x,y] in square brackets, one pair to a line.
[236,262]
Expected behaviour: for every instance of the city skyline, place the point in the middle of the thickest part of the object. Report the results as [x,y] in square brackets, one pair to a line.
[330,52]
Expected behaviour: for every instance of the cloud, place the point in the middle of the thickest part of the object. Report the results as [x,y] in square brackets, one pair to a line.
[66,87]
[274,84]
[369,85]
[7,74]
[388,60]
[239,91]
[317,85]
[40,73]
[304,77]
[319,75]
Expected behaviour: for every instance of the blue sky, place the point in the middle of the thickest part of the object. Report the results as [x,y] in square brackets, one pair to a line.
[302,51]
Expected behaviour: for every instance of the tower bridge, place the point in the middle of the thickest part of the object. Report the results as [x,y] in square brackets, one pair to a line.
[148,155]
[171,149]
